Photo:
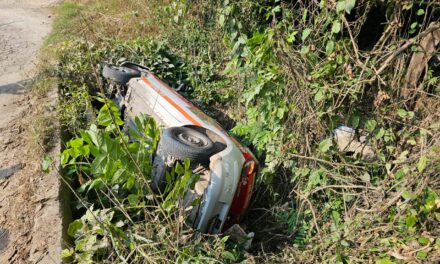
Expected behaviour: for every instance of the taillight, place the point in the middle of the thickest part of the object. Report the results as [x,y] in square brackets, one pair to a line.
[244,190]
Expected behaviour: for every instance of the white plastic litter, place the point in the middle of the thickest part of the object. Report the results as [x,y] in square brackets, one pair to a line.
[346,141]
[238,235]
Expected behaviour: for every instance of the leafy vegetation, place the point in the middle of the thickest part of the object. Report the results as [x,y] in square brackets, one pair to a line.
[283,75]
[121,218]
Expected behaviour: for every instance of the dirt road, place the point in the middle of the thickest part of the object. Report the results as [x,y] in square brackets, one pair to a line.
[29,211]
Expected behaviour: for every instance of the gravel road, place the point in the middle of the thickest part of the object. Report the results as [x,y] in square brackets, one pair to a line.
[23,25]
[30,225]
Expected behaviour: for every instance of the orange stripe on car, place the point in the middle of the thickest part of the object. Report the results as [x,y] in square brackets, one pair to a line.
[171,89]
[169,100]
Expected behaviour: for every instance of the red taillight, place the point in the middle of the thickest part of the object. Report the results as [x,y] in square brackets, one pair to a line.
[244,190]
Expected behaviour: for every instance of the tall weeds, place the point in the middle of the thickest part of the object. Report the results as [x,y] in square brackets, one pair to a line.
[285,75]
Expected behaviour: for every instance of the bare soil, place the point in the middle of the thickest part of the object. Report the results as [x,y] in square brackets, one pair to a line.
[30,222]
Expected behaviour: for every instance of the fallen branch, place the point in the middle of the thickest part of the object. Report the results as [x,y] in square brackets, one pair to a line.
[405,46]
[427,47]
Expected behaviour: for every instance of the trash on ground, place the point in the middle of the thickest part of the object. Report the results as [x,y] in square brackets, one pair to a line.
[346,141]
[238,235]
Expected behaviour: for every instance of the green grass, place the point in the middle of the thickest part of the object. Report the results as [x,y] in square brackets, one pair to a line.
[64,26]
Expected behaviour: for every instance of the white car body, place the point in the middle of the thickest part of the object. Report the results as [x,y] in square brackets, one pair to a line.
[227,182]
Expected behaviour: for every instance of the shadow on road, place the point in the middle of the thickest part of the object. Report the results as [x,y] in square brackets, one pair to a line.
[8,172]
[15,88]
[4,238]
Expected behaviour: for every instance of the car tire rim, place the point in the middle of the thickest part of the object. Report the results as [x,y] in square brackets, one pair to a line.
[191,140]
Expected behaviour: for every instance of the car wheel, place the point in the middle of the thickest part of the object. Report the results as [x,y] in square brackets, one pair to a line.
[119,74]
[186,143]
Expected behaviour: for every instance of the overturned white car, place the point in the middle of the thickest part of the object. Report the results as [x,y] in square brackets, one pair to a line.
[227,169]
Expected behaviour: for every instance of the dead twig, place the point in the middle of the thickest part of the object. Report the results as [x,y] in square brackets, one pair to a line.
[343,187]
[315,222]
[326,161]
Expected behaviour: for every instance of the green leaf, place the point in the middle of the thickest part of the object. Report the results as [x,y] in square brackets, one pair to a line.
[276,9]
[291,37]
[423,162]
[349,5]
[336,217]
[304,17]
[96,184]
[64,157]
[47,162]
[354,120]
[412,141]
[345,243]
[305,50]
[221,20]
[401,112]
[314,178]
[370,125]
[366,177]
[380,133]
[340,6]
[319,96]
[437,217]
[117,175]
[325,145]
[179,169]
[228,256]
[420,12]
[130,183]
[74,227]
[423,241]
[408,195]
[422,254]
[330,47]
[67,252]
[76,143]
[407,6]
[107,113]
[305,34]
[399,174]
[346,5]
[388,167]
[99,164]
[411,220]
[133,199]
[384,261]
[336,28]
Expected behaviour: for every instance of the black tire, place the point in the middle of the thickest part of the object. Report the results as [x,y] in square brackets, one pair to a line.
[119,75]
[134,66]
[186,143]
